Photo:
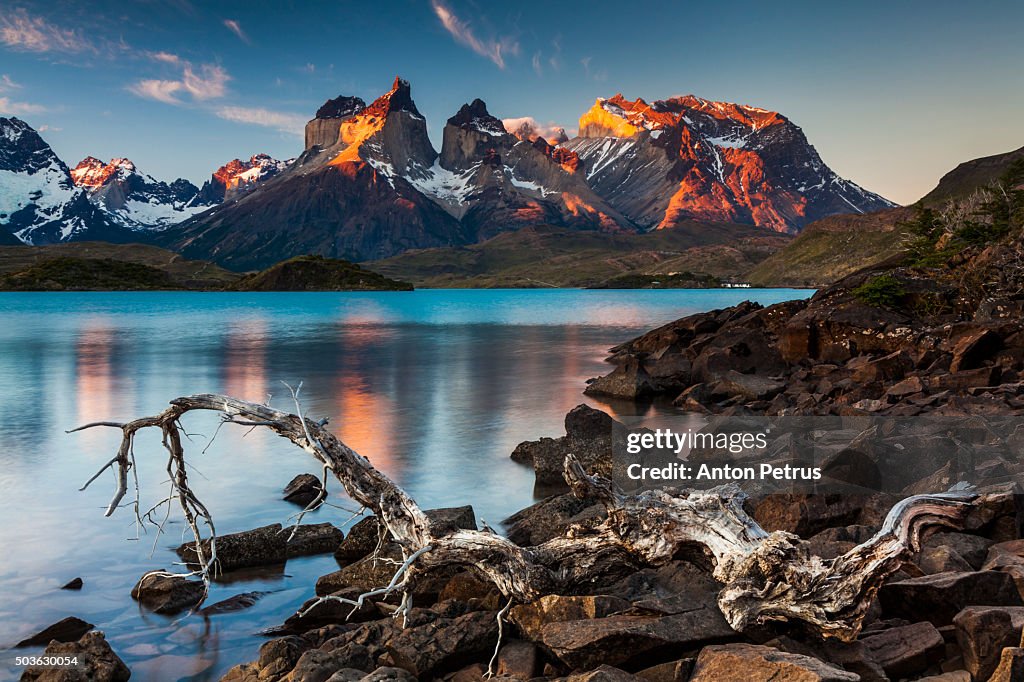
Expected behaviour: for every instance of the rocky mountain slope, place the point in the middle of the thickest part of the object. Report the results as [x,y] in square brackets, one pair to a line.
[834,247]
[134,199]
[941,331]
[39,202]
[690,158]
[346,196]
[239,177]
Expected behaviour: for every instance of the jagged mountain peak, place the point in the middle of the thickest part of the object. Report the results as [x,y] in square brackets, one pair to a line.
[341,106]
[475,115]
[686,158]
[399,98]
[91,172]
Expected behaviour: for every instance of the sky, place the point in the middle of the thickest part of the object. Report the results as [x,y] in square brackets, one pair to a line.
[892,94]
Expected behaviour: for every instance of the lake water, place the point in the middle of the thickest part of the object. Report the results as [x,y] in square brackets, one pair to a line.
[436,387]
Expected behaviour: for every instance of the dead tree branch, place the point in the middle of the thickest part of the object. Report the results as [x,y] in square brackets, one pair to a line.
[766,576]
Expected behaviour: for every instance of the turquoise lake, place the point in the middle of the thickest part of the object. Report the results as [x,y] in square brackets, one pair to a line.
[435,387]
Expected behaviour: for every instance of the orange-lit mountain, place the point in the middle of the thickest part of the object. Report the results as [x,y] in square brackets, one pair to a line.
[688,158]
[239,176]
[345,196]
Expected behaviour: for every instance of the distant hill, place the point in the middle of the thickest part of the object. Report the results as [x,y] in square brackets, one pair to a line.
[98,266]
[316,273]
[839,245]
[549,256]
[970,175]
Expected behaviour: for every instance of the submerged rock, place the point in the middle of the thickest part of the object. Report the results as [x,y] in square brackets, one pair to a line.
[167,594]
[303,489]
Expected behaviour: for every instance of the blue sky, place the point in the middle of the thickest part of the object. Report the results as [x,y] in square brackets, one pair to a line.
[892,94]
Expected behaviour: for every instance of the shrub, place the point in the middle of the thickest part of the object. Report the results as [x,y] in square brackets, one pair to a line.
[883,291]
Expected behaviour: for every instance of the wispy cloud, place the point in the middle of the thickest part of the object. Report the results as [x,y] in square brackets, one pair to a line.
[236,28]
[8,106]
[494,49]
[21,31]
[209,82]
[288,123]
[19,108]
[594,74]
[165,57]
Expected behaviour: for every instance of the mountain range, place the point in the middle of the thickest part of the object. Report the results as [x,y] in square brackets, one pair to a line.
[370,185]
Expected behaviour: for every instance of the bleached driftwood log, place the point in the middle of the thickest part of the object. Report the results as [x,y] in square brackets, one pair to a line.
[766,576]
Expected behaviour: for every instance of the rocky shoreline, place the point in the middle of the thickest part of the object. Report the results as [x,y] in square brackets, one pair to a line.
[897,342]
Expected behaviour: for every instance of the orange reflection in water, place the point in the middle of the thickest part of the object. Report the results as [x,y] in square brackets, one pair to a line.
[245,356]
[94,390]
[365,422]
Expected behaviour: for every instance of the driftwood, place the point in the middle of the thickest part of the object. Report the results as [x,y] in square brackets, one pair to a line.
[766,576]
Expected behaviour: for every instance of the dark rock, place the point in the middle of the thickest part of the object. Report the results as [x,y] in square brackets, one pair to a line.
[167,594]
[238,602]
[531,618]
[629,380]
[747,662]
[98,662]
[807,513]
[317,538]
[518,659]
[941,559]
[362,538]
[938,598]
[389,675]
[603,673]
[748,386]
[303,489]
[617,639]
[852,656]
[466,586]
[74,584]
[257,547]
[983,632]
[366,535]
[673,671]
[832,542]
[974,348]
[548,518]
[318,665]
[278,656]
[588,436]
[906,650]
[330,612]
[972,548]
[443,645]
[69,629]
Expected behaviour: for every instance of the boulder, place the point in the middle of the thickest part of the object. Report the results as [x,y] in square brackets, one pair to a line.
[387,675]
[257,547]
[806,514]
[443,645]
[68,629]
[97,662]
[531,618]
[954,676]
[906,650]
[167,594]
[939,598]
[518,659]
[604,673]
[329,612]
[549,518]
[673,671]
[747,386]
[588,436]
[747,662]
[318,665]
[972,548]
[617,639]
[974,348]
[316,538]
[278,656]
[303,489]
[366,535]
[629,380]
[983,632]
